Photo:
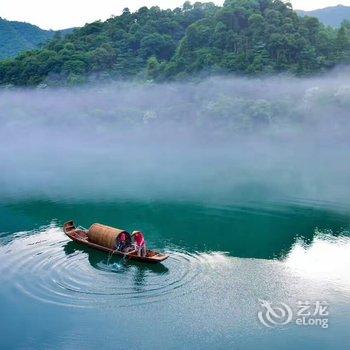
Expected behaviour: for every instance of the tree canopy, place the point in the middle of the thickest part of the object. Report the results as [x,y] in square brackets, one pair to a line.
[243,36]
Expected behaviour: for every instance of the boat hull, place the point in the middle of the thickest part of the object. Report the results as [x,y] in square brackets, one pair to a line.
[80,236]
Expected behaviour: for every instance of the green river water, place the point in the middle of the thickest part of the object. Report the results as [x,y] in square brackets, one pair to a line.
[235,237]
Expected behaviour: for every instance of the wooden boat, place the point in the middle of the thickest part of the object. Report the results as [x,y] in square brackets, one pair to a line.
[80,236]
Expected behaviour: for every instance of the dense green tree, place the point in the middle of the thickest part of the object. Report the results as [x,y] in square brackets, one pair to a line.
[343,39]
[153,67]
[259,36]
[161,46]
[120,47]
[242,36]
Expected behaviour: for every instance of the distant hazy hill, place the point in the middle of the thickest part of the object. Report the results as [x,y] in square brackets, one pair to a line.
[16,37]
[332,16]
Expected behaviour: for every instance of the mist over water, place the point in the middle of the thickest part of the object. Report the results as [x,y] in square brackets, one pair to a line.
[244,182]
[222,138]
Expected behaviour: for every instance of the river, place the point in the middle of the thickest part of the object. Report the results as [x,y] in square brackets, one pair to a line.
[236,238]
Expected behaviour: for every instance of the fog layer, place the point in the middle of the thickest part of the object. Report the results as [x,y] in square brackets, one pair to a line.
[229,139]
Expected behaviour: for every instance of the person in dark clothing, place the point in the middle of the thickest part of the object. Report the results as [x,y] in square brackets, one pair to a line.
[122,242]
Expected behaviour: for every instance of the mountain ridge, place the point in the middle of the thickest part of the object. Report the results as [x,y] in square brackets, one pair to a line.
[331,15]
[17,37]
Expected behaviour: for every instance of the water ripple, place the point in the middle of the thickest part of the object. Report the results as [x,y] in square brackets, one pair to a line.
[48,267]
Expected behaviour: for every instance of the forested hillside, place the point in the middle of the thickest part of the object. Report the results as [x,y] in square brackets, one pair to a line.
[244,37]
[16,37]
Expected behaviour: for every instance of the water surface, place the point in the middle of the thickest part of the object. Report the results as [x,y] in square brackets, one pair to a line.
[245,220]
[223,259]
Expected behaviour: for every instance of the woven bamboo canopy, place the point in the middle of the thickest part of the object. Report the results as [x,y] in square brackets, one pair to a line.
[105,236]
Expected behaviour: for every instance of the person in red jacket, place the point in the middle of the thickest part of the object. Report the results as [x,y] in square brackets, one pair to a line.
[139,243]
